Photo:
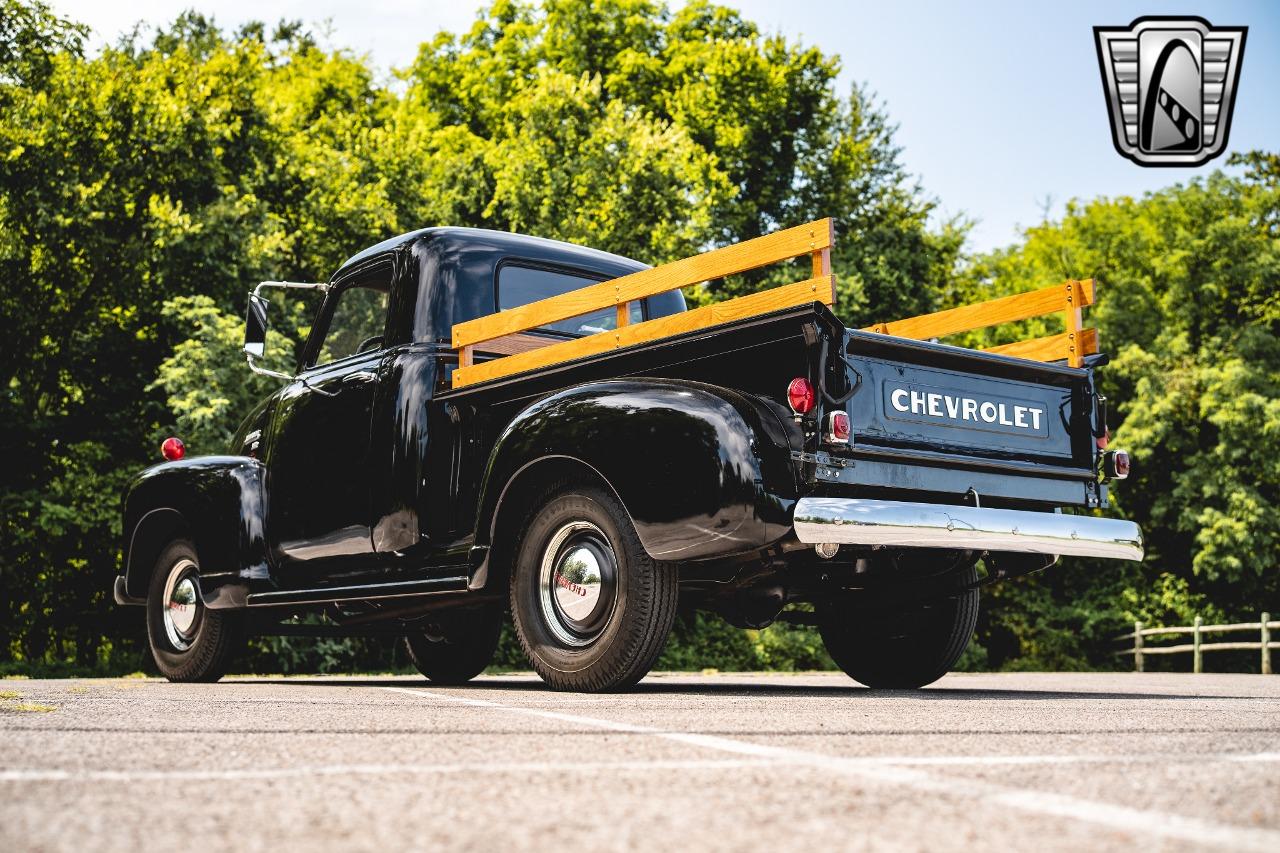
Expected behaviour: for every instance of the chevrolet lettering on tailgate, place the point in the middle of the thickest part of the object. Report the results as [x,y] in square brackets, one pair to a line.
[929,404]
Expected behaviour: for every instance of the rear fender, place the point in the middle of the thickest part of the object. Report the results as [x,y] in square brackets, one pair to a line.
[219,502]
[683,458]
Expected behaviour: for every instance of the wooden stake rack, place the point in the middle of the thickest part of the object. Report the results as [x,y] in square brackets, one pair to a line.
[814,239]
[1070,298]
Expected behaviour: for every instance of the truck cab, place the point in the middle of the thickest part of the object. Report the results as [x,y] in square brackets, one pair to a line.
[486,426]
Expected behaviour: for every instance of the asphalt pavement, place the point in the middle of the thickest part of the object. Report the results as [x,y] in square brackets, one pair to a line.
[685,762]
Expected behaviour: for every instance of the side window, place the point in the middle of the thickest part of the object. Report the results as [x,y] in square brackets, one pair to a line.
[521,285]
[358,321]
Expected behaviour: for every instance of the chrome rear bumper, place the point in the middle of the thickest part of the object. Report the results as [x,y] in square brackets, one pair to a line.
[862,521]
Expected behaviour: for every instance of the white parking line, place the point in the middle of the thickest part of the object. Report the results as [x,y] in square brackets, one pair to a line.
[1085,758]
[1148,823]
[37,775]
[55,775]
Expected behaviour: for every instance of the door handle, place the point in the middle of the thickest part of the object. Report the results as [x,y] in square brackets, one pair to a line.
[360,377]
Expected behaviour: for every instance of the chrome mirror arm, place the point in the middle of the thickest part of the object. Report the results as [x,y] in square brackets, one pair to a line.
[293,285]
[266,371]
[257,293]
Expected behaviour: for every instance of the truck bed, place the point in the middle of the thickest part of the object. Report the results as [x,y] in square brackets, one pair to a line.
[893,453]
[1015,425]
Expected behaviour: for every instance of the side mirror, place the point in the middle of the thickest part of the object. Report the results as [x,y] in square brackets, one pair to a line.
[255,327]
[255,323]
[255,336]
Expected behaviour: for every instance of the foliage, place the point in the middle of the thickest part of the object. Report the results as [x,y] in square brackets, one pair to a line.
[143,189]
[146,187]
[1189,306]
[207,384]
[656,134]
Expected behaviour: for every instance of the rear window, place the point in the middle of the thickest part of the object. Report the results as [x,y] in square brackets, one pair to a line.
[521,285]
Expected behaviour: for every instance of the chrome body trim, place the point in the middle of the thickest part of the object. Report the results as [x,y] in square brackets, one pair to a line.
[321,595]
[866,521]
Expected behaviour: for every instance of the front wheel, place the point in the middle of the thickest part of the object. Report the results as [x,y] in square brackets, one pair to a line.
[901,647]
[591,609]
[189,641]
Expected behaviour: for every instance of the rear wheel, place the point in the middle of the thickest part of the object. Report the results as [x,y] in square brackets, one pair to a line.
[189,642]
[901,647]
[456,647]
[592,611]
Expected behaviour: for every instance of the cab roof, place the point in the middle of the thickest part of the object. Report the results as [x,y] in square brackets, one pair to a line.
[532,248]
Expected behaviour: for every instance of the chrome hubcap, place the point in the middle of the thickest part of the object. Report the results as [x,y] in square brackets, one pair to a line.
[578,583]
[181,605]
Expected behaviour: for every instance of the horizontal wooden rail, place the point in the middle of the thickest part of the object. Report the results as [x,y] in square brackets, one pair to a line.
[1069,298]
[1204,629]
[800,293]
[1197,648]
[1204,647]
[814,239]
[1049,348]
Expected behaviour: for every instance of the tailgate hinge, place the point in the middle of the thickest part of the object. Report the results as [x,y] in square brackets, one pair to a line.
[821,458]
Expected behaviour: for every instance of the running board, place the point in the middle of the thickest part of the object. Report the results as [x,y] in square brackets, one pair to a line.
[368,592]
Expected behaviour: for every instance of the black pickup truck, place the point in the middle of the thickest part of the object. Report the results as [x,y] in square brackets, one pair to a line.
[758,462]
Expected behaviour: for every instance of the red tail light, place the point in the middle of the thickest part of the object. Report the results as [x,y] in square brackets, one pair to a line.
[173,449]
[838,429]
[800,396]
[1115,464]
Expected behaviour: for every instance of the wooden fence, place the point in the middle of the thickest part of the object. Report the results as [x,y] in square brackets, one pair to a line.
[1197,647]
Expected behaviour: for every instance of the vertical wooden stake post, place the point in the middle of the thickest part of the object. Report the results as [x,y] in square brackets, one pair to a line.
[1197,656]
[822,262]
[1074,322]
[1137,647]
[1266,643]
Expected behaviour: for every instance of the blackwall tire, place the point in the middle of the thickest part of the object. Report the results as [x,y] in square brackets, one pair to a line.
[591,609]
[457,647]
[189,642]
[903,647]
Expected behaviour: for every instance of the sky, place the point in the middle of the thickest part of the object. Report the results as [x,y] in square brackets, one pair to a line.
[999,105]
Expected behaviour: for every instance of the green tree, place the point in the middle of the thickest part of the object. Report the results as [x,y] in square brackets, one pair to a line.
[145,188]
[126,179]
[656,134]
[1189,307]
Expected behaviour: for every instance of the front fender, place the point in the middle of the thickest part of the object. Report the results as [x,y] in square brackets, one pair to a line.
[219,502]
[683,457]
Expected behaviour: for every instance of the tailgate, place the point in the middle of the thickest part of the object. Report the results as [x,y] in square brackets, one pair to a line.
[963,410]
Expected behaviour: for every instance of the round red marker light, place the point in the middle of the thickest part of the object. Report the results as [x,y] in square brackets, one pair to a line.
[800,396]
[173,449]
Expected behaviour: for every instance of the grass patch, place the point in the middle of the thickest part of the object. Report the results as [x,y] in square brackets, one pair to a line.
[10,694]
[34,707]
